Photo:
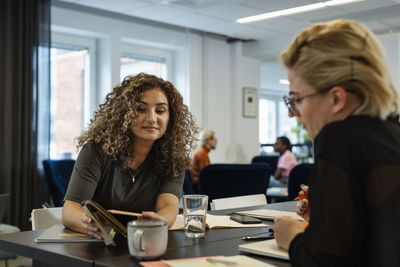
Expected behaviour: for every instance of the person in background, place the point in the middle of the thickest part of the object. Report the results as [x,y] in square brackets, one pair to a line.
[200,158]
[286,162]
[342,93]
[133,155]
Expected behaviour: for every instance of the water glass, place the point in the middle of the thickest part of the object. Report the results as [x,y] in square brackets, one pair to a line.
[195,212]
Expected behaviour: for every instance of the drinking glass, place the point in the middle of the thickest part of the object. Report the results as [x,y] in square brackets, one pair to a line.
[195,212]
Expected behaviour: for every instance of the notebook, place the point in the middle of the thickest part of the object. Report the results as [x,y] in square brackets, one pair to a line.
[234,261]
[269,214]
[265,248]
[59,234]
[216,222]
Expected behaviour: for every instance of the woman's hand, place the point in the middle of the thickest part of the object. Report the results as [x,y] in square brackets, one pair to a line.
[285,229]
[150,215]
[303,207]
[91,229]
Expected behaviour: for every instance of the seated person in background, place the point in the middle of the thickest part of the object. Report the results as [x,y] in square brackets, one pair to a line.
[133,155]
[342,93]
[200,158]
[286,162]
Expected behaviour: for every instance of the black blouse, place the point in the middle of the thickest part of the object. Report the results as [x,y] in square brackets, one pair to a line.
[354,197]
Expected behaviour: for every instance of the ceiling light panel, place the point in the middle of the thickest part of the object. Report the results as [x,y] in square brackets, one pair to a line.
[230,12]
[295,10]
[273,5]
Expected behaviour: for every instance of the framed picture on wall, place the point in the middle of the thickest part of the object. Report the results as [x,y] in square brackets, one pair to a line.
[250,100]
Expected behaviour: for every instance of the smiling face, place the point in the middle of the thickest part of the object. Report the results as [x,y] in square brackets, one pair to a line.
[313,112]
[152,116]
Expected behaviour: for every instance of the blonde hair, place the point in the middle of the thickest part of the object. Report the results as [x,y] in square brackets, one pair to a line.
[345,53]
[205,135]
[111,125]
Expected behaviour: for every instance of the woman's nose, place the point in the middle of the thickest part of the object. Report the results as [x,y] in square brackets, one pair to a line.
[293,114]
[151,116]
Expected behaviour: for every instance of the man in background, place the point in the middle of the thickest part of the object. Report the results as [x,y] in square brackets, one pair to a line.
[200,158]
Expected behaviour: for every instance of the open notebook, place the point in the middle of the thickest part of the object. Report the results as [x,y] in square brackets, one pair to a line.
[215,222]
[265,214]
[265,248]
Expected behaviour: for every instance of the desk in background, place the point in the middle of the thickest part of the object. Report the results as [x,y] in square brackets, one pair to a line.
[216,242]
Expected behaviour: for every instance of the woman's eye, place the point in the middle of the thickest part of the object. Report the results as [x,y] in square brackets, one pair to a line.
[160,111]
[141,110]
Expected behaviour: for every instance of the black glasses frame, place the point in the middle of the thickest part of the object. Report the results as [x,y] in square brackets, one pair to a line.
[291,102]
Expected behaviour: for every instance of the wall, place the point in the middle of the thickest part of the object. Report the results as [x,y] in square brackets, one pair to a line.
[391,43]
[208,71]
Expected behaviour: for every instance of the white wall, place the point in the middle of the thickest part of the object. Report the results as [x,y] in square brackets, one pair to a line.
[271,73]
[208,71]
[391,43]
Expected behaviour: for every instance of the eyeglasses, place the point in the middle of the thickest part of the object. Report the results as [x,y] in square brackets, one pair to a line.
[291,102]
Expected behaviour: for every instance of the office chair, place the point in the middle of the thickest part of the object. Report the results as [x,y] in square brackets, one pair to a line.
[45,218]
[299,175]
[6,228]
[231,180]
[187,184]
[272,161]
[58,174]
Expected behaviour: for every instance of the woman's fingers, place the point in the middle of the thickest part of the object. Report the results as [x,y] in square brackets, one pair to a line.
[89,227]
[304,188]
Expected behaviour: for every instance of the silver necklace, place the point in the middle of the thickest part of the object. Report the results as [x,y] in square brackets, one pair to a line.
[133,176]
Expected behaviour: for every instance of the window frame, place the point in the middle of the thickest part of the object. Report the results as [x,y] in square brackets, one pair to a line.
[276,96]
[62,40]
[150,52]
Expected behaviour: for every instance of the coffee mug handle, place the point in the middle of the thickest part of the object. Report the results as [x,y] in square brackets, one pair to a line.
[138,240]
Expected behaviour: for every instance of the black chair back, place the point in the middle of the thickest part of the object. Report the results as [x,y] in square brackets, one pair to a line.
[4,202]
[58,173]
[231,180]
[272,161]
[299,175]
[187,184]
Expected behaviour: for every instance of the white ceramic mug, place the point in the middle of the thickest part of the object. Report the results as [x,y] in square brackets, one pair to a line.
[147,238]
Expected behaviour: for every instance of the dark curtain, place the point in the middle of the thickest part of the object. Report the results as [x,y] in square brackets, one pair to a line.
[24,69]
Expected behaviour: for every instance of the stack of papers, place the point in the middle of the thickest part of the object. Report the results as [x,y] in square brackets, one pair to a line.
[216,222]
[265,214]
[237,261]
[265,248]
[60,234]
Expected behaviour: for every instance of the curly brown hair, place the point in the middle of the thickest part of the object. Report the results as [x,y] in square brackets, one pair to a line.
[110,126]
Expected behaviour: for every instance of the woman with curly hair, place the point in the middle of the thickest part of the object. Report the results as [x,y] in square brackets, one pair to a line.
[134,154]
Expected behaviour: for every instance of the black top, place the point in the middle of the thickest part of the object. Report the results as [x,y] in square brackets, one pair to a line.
[97,177]
[354,197]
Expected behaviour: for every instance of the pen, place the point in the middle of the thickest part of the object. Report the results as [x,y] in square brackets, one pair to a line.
[303,196]
[226,262]
[257,238]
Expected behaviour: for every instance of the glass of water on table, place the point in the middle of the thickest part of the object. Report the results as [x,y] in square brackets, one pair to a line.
[195,212]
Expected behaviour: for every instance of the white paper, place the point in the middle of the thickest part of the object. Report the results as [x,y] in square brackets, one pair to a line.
[269,214]
[265,248]
[215,222]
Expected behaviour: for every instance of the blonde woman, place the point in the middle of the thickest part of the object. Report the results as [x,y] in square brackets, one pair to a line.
[134,154]
[342,93]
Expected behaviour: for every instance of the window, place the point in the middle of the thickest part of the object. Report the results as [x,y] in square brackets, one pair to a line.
[274,121]
[67,91]
[71,83]
[132,65]
[136,59]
